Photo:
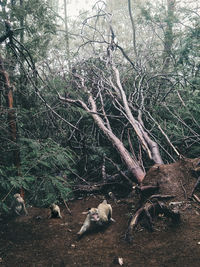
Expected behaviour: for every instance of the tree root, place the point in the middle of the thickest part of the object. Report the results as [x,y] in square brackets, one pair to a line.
[148,211]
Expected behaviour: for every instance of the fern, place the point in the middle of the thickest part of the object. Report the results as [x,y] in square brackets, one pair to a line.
[41,164]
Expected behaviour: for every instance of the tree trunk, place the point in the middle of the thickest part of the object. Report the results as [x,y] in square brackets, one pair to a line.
[132,165]
[8,94]
[148,145]
[168,35]
[67,35]
[133,27]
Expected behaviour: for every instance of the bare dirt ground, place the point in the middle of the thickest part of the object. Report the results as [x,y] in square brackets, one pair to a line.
[37,241]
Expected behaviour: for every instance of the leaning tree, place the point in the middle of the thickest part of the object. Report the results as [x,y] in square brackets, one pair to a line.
[102,92]
[133,91]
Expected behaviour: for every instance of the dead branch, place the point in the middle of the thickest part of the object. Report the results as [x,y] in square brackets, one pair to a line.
[67,207]
[145,140]
[132,165]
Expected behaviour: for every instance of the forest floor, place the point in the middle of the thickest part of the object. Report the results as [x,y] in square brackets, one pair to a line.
[37,241]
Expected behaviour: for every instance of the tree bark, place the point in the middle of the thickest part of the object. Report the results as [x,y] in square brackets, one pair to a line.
[8,94]
[67,35]
[132,164]
[168,35]
[133,27]
[148,145]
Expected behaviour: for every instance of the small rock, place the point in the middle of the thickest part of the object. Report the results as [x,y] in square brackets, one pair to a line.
[118,260]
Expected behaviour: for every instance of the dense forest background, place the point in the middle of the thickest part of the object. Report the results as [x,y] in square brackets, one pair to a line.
[102,94]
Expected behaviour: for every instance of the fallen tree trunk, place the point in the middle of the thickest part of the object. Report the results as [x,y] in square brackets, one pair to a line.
[132,164]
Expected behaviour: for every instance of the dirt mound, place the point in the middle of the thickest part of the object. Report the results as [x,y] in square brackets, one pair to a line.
[37,241]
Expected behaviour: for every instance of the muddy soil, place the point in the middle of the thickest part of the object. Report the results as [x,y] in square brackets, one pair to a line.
[37,241]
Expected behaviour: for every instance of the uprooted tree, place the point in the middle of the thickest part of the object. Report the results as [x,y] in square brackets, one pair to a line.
[132,88]
[112,88]
[101,91]
[131,97]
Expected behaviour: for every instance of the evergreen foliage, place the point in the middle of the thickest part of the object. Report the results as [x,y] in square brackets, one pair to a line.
[54,156]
